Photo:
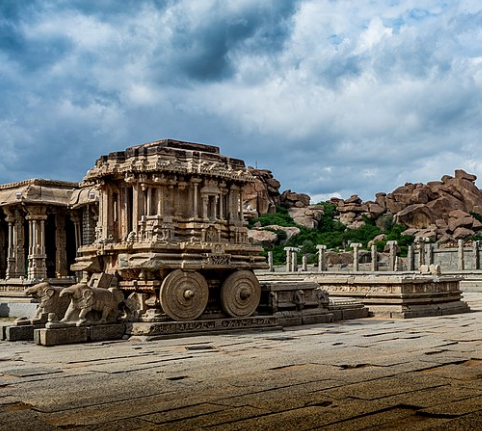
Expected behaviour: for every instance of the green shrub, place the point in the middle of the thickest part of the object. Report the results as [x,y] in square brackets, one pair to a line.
[331,233]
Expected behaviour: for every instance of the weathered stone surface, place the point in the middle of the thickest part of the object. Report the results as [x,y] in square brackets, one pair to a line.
[376,210]
[354,199]
[364,374]
[199,326]
[416,215]
[78,334]
[19,333]
[461,174]
[262,237]
[419,206]
[261,196]
[291,198]
[53,337]
[465,220]
[306,216]
[462,232]
[267,236]
[398,296]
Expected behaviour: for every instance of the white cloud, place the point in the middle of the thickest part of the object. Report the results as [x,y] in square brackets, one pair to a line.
[334,97]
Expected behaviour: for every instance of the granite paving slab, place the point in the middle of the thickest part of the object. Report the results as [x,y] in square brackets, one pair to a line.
[361,374]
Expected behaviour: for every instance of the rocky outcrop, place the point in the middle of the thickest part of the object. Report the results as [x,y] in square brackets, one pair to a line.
[262,196]
[439,210]
[269,236]
[351,211]
[292,199]
[308,216]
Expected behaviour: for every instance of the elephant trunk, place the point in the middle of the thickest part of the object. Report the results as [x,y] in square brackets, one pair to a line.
[67,291]
[36,289]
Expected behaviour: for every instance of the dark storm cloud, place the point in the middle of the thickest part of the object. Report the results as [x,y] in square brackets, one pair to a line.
[333,97]
[203,46]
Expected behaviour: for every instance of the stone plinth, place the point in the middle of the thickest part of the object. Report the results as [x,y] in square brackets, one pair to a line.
[399,296]
[19,333]
[173,329]
[78,334]
[295,302]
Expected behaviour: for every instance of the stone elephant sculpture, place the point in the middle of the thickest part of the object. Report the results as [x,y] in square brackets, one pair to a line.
[85,299]
[49,299]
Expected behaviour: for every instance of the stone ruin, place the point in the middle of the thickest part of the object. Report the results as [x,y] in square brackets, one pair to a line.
[153,237]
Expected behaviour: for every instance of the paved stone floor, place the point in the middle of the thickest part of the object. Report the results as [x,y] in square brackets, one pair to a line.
[362,374]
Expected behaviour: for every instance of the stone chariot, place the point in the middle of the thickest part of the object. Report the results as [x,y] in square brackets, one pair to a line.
[171,232]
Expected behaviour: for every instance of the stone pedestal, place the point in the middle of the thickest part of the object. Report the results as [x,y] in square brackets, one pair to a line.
[400,296]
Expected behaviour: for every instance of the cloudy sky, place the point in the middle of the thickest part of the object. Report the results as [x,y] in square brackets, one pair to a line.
[334,96]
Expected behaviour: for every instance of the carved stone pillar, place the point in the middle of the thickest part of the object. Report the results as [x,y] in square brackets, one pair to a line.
[270,261]
[233,210]
[294,260]
[428,254]
[61,264]
[149,201]
[288,258]
[3,250]
[420,249]
[374,262]
[356,264]
[16,243]
[410,258]
[476,253]
[205,199]
[215,208]
[11,245]
[392,254]
[135,207]
[321,257]
[460,255]
[241,209]
[195,197]
[37,268]
[77,230]
[222,206]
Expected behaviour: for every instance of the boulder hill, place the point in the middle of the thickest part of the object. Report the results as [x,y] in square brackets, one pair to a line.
[440,210]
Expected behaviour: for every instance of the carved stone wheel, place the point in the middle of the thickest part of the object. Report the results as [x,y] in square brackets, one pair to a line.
[184,295]
[240,294]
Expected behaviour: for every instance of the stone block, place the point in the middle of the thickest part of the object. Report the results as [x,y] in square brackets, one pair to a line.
[318,318]
[19,333]
[287,318]
[69,335]
[354,313]
[106,332]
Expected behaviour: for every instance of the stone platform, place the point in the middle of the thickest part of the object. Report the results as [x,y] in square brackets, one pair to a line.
[297,302]
[369,374]
[176,329]
[398,296]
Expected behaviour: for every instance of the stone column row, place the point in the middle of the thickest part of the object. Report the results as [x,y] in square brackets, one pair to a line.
[29,258]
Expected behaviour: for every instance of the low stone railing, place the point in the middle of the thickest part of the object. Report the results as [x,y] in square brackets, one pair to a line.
[420,254]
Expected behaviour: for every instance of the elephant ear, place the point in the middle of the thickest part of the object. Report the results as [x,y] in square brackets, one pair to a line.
[50,292]
[88,297]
